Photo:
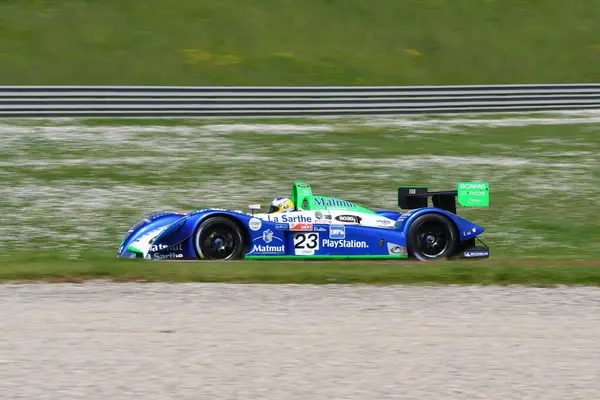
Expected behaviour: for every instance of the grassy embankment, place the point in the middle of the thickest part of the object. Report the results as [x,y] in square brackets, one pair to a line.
[76,187]
[310,42]
[314,272]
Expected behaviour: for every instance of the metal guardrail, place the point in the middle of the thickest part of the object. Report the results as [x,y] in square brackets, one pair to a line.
[260,101]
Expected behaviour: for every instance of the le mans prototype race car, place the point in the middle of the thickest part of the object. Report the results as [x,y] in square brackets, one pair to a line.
[318,227]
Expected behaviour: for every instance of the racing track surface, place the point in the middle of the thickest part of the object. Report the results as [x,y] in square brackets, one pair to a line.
[220,341]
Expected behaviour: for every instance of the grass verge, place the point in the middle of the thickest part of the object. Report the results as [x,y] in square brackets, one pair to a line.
[309,42]
[75,189]
[487,272]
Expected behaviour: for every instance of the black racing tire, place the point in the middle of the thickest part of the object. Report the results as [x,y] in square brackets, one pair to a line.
[218,238]
[432,237]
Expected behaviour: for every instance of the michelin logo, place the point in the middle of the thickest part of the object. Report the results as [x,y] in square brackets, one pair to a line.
[396,249]
[347,244]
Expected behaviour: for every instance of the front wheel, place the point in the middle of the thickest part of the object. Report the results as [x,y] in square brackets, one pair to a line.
[432,237]
[218,238]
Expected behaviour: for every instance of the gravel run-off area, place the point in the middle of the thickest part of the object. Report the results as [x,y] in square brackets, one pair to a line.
[220,341]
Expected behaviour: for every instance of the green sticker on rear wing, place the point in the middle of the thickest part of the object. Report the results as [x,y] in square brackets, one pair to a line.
[474,194]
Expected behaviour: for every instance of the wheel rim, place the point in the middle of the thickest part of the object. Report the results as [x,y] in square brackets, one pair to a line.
[432,240]
[217,243]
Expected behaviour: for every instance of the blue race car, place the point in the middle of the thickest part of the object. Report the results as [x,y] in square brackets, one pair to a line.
[309,226]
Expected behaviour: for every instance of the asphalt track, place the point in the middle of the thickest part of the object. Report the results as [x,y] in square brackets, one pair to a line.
[221,341]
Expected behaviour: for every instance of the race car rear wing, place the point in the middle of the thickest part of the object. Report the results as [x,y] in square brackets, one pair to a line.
[470,194]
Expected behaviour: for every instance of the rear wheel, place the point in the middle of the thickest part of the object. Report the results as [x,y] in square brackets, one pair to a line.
[432,237]
[218,238]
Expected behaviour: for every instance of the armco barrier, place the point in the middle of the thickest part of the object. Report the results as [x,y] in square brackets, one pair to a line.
[257,101]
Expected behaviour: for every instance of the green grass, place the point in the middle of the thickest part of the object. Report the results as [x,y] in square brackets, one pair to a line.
[49,268]
[310,42]
[76,188]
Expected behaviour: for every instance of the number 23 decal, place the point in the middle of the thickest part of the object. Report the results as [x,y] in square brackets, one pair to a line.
[306,241]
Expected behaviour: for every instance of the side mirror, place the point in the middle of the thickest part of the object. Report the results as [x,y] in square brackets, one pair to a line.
[254,207]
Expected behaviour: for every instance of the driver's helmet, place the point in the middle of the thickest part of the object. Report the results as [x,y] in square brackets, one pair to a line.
[281,204]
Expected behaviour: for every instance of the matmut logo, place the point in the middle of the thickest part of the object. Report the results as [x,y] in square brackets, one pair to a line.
[258,248]
[325,202]
[162,247]
[267,236]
